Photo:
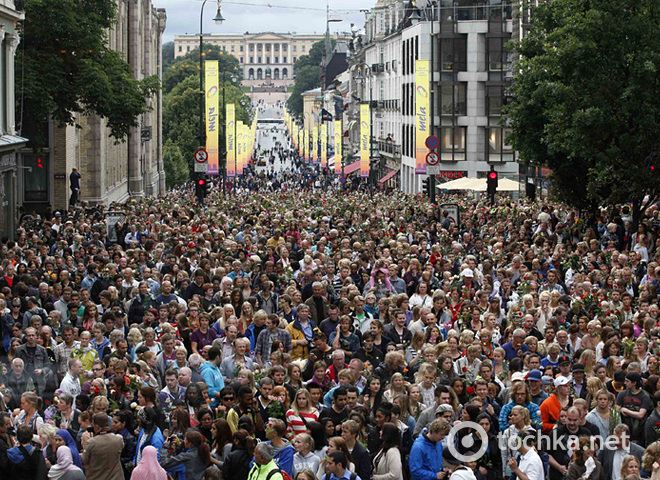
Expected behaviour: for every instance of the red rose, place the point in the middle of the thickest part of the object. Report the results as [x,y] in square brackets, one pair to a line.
[470,390]
[465,369]
[657,424]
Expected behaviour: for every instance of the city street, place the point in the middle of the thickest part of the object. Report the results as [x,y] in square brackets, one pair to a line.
[268,136]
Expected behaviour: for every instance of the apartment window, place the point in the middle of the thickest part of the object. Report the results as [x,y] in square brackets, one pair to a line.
[498,56]
[453,54]
[258,59]
[241,60]
[252,47]
[233,48]
[295,59]
[452,143]
[283,59]
[188,48]
[277,59]
[498,149]
[180,48]
[295,48]
[453,99]
[251,59]
[284,47]
[240,49]
[268,47]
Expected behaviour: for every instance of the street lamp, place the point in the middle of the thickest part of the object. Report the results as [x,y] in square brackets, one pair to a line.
[218,19]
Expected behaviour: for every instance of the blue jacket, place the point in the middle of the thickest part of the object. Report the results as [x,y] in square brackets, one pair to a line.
[249,334]
[156,441]
[283,457]
[213,378]
[425,458]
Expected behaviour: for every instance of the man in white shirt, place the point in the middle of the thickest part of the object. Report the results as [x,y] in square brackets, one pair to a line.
[530,466]
[71,381]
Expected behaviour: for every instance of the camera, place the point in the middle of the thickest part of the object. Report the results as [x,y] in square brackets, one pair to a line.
[90,429]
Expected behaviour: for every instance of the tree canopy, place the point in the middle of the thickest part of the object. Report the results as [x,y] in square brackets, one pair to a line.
[181,106]
[66,67]
[586,99]
[308,76]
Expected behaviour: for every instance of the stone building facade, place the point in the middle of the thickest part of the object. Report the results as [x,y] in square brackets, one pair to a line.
[263,57]
[111,171]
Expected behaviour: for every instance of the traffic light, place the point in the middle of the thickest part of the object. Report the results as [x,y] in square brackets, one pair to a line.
[426,186]
[325,170]
[201,189]
[492,182]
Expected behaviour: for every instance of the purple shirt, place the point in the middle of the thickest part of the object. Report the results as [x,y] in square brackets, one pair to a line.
[203,339]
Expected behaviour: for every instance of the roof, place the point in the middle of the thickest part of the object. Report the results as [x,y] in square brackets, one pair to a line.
[12,140]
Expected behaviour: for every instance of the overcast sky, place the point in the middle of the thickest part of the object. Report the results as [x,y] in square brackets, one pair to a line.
[306,16]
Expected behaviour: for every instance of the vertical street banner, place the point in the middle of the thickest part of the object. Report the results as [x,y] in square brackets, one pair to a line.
[211,78]
[324,145]
[306,145]
[422,93]
[301,142]
[338,145]
[239,148]
[230,131]
[365,132]
[315,145]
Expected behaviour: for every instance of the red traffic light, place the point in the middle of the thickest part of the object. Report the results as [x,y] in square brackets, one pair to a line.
[492,175]
[201,182]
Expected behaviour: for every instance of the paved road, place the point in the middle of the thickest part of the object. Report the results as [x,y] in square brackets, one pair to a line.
[269,135]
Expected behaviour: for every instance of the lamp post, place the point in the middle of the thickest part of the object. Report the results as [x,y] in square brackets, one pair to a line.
[218,19]
[362,80]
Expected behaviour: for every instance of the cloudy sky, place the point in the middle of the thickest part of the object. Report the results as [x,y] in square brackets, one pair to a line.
[300,16]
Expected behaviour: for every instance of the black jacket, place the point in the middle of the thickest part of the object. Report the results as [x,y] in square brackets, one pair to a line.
[237,465]
[362,461]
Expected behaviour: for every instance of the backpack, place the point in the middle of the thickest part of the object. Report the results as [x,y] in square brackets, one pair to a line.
[285,476]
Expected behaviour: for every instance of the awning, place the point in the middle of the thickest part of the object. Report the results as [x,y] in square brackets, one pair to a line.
[480,185]
[353,167]
[389,175]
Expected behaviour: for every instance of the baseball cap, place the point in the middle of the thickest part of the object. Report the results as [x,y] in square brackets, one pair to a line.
[546,380]
[443,408]
[518,376]
[535,375]
[468,273]
[191,245]
[562,380]
[563,359]
[577,367]
[449,457]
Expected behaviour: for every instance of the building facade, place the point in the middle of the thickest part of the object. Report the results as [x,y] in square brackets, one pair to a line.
[264,57]
[464,42]
[110,171]
[10,143]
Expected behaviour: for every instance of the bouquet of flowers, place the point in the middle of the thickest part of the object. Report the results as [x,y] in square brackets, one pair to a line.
[133,382]
[53,413]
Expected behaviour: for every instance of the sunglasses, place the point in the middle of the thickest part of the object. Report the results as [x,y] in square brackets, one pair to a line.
[227,399]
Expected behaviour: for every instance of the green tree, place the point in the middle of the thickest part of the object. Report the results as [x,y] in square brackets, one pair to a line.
[66,67]
[181,121]
[308,76]
[176,167]
[168,54]
[586,99]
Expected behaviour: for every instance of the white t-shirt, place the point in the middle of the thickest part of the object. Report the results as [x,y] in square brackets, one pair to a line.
[532,465]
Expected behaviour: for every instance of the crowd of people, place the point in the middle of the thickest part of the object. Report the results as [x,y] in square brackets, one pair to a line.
[330,336]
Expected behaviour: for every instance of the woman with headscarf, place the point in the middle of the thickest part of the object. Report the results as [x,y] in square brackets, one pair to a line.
[69,442]
[148,468]
[150,434]
[65,469]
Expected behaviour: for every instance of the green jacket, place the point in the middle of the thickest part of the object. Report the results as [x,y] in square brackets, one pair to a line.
[260,472]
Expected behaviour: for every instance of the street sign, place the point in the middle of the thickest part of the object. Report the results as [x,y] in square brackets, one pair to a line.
[432,142]
[453,212]
[432,159]
[201,161]
[433,169]
[342,179]
[201,156]
[229,185]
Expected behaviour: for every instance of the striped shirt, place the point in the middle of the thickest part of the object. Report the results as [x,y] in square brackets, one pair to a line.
[295,423]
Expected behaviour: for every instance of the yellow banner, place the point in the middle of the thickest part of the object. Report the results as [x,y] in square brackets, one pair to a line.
[301,142]
[239,148]
[212,140]
[315,145]
[365,132]
[306,145]
[230,130]
[338,147]
[324,145]
[422,93]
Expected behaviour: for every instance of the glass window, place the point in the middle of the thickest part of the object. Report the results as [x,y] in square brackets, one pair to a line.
[240,49]
[498,149]
[498,57]
[452,143]
[453,99]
